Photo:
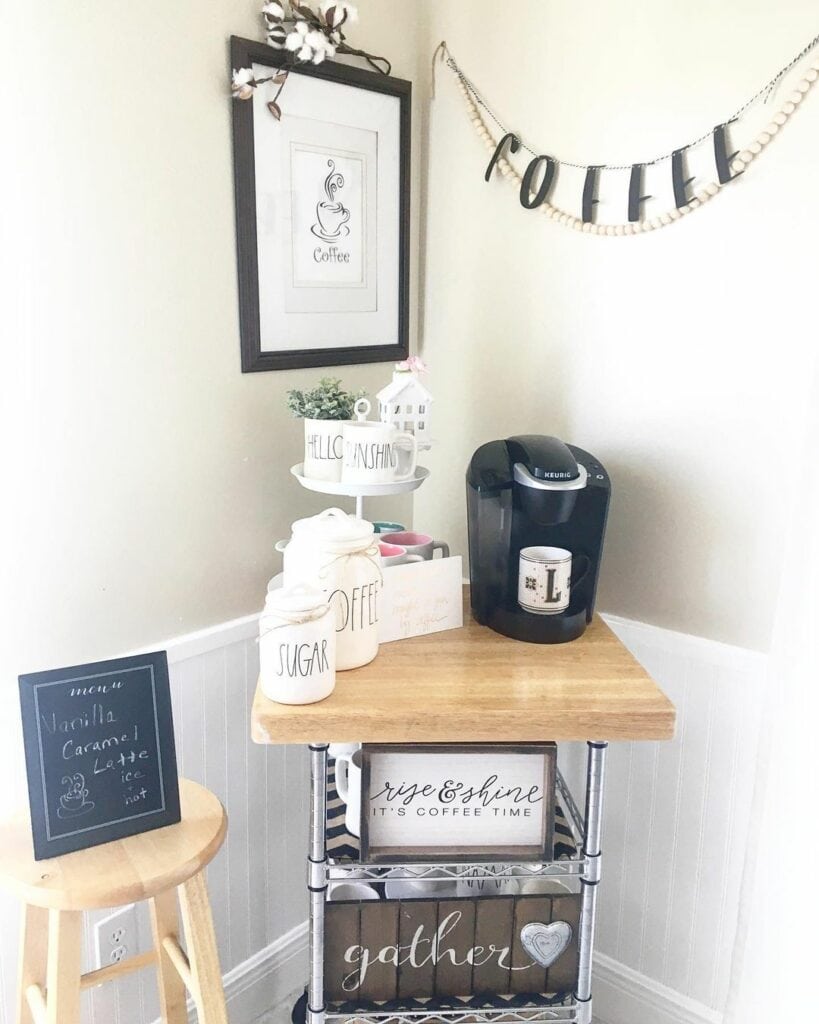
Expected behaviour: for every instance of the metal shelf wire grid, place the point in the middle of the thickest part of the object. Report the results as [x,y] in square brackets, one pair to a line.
[489,1015]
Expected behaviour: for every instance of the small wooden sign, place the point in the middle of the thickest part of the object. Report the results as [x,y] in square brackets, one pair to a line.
[420,598]
[386,949]
[100,755]
[458,802]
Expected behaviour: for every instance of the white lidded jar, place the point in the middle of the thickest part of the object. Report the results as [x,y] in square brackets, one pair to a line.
[337,553]
[297,646]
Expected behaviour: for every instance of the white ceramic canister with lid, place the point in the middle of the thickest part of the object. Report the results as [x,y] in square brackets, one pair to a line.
[337,553]
[297,646]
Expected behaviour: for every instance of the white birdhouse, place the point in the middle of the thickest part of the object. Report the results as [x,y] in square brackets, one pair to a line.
[406,403]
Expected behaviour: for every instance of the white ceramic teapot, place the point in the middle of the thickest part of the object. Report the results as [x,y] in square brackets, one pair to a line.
[337,553]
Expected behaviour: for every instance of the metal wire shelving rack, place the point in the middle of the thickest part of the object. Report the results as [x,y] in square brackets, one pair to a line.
[583,867]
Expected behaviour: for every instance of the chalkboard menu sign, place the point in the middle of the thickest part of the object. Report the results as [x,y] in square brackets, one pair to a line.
[100,752]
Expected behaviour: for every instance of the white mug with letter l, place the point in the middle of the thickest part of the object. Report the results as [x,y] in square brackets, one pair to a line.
[544,580]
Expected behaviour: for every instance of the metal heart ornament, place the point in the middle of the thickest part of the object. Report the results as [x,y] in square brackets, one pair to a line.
[545,942]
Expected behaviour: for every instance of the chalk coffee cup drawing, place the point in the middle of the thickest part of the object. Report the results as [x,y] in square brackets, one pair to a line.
[417,544]
[348,784]
[395,554]
[544,580]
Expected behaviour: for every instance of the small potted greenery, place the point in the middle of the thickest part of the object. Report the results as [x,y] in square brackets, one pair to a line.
[324,410]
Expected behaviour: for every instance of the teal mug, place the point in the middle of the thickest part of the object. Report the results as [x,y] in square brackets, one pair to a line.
[388,527]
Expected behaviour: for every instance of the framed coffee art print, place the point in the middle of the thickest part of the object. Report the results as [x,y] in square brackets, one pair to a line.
[322,213]
[458,802]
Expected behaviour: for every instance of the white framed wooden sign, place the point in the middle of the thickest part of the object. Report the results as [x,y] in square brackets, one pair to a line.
[421,597]
[457,802]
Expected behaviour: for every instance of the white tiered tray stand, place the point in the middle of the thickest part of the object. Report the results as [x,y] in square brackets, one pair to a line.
[360,491]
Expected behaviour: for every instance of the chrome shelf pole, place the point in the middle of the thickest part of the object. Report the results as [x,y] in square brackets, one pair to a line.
[317,881]
[595,780]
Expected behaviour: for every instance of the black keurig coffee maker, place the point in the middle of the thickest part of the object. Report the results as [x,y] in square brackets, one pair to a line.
[537,514]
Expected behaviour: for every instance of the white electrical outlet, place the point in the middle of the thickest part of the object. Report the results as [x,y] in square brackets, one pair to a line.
[117,937]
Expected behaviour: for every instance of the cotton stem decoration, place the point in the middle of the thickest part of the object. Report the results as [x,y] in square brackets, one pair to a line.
[535,186]
[308,34]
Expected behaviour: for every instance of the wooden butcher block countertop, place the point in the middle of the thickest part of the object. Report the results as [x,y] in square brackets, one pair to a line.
[474,685]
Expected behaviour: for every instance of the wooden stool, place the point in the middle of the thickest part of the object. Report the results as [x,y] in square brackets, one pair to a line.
[153,866]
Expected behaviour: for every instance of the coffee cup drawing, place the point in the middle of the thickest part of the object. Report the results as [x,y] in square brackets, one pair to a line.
[331,214]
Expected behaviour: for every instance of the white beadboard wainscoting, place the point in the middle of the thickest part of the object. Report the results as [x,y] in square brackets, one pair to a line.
[677,817]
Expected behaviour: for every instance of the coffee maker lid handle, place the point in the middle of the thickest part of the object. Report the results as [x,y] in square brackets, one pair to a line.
[526,479]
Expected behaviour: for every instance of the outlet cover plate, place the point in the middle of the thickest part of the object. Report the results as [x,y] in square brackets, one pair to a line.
[116,937]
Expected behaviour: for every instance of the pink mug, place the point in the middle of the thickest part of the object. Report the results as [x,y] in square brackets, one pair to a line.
[417,543]
[396,554]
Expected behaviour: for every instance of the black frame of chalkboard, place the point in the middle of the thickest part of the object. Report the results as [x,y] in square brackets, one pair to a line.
[105,831]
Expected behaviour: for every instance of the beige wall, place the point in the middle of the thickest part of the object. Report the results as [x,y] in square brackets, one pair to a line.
[147,478]
[679,357]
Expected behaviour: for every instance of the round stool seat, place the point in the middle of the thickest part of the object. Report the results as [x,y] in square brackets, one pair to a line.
[124,871]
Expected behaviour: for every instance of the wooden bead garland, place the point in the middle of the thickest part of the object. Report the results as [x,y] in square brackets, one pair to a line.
[738,165]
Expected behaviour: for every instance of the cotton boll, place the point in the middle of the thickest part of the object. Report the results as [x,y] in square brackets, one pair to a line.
[243,84]
[317,40]
[277,37]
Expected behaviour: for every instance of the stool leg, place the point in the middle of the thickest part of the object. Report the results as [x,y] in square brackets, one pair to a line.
[33,958]
[172,993]
[64,966]
[206,975]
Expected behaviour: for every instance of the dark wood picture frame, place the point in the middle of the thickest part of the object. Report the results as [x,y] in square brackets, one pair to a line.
[78,722]
[459,854]
[244,53]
